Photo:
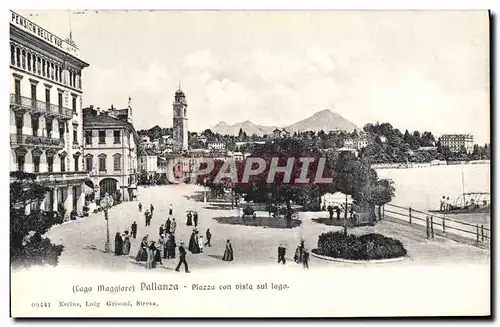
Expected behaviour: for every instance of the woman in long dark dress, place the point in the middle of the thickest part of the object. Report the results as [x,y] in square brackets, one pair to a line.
[126,243]
[189,221]
[228,253]
[118,244]
[151,252]
[157,253]
[142,254]
[192,242]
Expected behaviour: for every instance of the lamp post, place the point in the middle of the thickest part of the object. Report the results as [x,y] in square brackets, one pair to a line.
[205,190]
[106,204]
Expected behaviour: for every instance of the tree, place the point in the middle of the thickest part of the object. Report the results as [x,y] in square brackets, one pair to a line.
[28,247]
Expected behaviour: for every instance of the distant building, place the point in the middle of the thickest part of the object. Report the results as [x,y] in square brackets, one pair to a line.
[147,161]
[455,142]
[217,146]
[361,141]
[349,143]
[427,148]
[281,133]
[110,153]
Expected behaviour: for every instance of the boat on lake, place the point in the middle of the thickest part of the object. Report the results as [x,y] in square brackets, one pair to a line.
[472,202]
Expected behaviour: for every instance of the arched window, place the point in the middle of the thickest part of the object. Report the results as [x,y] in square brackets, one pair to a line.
[76,158]
[12,55]
[29,61]
[18,57]
[117,162]
[44,67]
[24,59]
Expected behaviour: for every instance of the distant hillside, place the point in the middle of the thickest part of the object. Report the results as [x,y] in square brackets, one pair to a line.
[325,120]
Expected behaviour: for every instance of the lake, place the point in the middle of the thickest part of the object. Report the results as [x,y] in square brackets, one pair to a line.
[421,188]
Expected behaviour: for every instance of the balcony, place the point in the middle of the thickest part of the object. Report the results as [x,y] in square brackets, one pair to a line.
[68,176]
[39,141]
[18,102]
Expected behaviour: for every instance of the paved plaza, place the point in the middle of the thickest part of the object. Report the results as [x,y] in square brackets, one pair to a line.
[84,238]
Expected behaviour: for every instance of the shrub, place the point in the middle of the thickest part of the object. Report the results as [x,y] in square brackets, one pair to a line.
[365,247]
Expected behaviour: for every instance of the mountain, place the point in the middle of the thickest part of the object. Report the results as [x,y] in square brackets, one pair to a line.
[247,126]
[325,120]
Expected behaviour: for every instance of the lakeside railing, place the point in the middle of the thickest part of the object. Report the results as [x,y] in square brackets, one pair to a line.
[432,224]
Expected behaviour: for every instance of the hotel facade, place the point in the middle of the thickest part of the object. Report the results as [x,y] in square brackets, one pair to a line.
[46,127]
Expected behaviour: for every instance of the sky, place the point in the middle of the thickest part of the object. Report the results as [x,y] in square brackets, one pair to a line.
[418,70]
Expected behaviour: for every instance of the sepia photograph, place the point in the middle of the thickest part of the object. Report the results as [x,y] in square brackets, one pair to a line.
[258,163]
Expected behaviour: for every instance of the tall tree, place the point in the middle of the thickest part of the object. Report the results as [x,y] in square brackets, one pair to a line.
[28,247]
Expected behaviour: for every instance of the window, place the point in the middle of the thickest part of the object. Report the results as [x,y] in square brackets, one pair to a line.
[117,162]
[47,98]
[24,59]
[17,90]
[20,162]
[18,57]
[12,55]
[50,164]
[116,137]
[33,95]
[102,163]
[60,101]
[34,124]
[63,164]
[102,137]
[74,104]
[75,135]
[88,137]
[89,163]
[29,61]
[76,159]
[44,69]
[48,127]
[61,129]
[36,163]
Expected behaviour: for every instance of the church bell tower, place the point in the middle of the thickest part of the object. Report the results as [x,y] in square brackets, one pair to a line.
[179,125]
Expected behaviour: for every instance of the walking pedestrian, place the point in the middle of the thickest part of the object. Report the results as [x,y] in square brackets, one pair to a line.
[161,246]
[140,206]
[142,254]
[126,243]
[182,258]
[133,229]
[195,219]
[305,259]
[281,254]
[168,225]
[189,221]
[151,208]
[209,237]
[173,226]
[200,243]
[170,210]
[118,244]
[151,262]
[228,252]
[161,230]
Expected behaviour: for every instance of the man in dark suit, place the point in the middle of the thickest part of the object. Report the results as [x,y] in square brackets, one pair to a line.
[182,258]
[281,254]
[134,229]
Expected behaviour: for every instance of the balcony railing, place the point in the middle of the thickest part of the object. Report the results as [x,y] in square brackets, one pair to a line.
[17,101]
[22,139]
[62,176]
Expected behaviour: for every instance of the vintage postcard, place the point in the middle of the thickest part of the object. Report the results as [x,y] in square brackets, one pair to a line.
[249,163]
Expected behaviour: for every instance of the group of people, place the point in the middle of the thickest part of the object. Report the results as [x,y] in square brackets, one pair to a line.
[122,243]
[192,217]
[301,254]
[151,253]
[445,204]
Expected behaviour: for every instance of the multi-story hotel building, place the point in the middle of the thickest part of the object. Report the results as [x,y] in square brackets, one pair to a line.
[110,151]
[455,142]
[45,112]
